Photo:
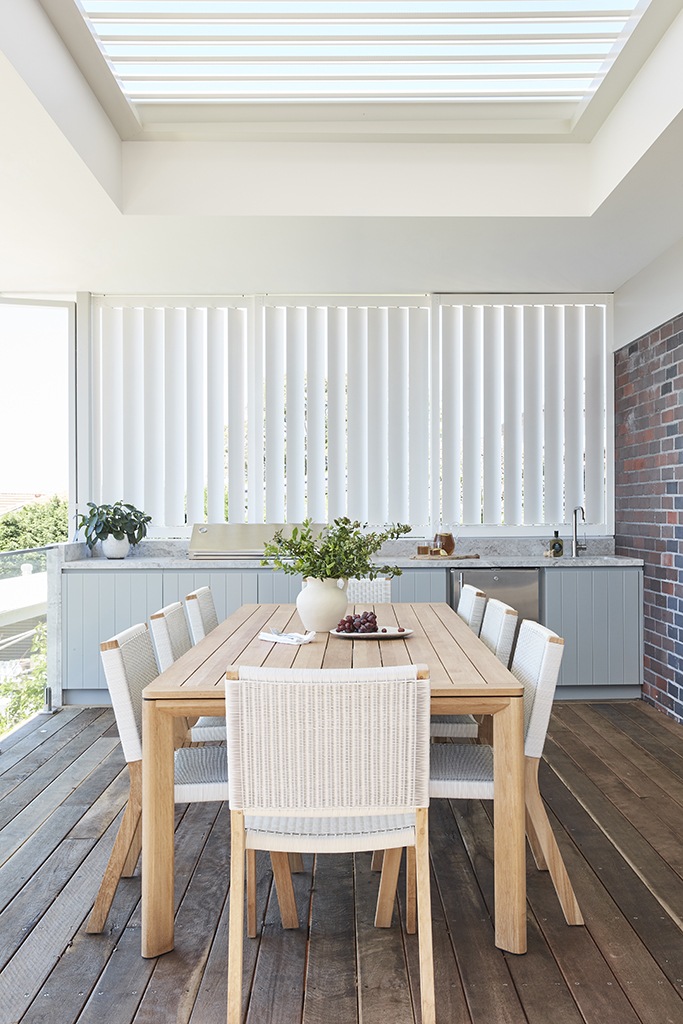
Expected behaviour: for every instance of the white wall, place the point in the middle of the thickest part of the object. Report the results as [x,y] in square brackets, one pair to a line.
[649,299]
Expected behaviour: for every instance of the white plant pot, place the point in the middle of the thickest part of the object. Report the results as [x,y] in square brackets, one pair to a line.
[321,604]
[113,548]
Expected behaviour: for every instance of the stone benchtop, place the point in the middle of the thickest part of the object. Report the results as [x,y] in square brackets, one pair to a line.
[173,556]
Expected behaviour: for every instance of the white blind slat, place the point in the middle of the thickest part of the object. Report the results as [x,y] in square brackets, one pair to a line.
[316,371]
[112,406]
[513,446]
[215,416]
[595,353]
[451,414]
[133,407]
[418,415]
[380,448]
[554,414]
[336,413]
[574,408]
[357,420]
[196,414]
[493,414]
[154,414]
[397,421]
[175,418]
[275,340]
[296,415]
[472,382]
[533,415]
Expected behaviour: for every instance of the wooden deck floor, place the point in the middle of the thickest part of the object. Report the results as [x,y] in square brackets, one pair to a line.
[613,779]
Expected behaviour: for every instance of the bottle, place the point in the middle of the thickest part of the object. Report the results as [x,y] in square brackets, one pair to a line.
[556,545]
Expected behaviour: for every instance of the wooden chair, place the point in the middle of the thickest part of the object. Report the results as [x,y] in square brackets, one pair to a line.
[328,761]
[200,772]
[466,771]
[202,618]
[498,633]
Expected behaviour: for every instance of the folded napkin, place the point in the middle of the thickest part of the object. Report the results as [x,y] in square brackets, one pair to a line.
[287,638]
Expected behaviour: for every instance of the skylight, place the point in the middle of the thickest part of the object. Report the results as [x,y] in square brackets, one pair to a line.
[192,52]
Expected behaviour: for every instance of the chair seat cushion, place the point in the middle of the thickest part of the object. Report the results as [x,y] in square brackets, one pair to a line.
[209,727]
[454,725]
[330,835]
[201,774]
[461,771]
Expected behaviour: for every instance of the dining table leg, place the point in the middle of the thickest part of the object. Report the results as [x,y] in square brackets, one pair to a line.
[157,830]
[509,834]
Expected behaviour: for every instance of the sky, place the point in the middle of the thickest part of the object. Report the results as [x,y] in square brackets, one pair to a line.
[34,424]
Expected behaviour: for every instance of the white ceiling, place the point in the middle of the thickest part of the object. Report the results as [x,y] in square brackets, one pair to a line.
[81,209]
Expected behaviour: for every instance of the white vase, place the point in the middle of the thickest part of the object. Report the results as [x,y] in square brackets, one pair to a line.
[113,548]
[321,603]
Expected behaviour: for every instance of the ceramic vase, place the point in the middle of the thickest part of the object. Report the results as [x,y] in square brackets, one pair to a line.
[113,548]
[321,604]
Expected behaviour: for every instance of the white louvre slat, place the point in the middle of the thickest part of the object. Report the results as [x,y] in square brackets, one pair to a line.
[237,415]
[574,407]
[336,413]
[133,407]
[275,362]
[451,413]
[196,413]
[316,369]
[380,449]
[215,416]
[357,421]
[554,415]
[176,415]
[533,415]
[493,414]
[418,415]
[154,414]
[472,381]
[112,406]
[397,467]
[513,388]
[296,414]
[435,460]
[595,414]
[255,409]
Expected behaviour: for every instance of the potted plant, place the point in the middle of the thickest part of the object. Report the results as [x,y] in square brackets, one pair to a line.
[117,526]
[327,560]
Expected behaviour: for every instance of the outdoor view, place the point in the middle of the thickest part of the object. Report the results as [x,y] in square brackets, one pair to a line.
[33,494]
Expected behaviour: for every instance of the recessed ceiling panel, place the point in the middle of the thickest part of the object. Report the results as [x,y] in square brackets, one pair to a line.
[360,52]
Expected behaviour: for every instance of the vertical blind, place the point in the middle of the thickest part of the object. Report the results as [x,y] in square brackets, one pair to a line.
[417,410]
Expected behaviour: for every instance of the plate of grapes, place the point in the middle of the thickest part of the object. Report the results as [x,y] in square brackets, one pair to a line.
[364,626]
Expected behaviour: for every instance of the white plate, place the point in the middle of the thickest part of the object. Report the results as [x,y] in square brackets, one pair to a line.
[392,633]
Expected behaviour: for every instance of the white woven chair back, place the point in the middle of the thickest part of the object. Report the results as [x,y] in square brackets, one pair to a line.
[536,663]
[471,606]
[370,591]
[129,665]
[332,742]
[201,613]
[498,629]
[170,633]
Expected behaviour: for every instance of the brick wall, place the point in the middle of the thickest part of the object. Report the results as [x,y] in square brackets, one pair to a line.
[648,378]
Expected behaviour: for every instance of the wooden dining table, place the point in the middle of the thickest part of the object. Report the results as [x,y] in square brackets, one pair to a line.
[465,678]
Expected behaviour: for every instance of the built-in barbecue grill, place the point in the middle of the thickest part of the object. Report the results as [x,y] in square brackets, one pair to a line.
[233,540]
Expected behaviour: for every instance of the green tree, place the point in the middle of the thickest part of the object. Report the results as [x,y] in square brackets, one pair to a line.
[22,697]
[35,526]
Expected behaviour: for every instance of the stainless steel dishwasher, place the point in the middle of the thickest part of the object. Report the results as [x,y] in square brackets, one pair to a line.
[516,587]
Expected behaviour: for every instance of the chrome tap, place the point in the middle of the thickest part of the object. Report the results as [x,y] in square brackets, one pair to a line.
[576,547]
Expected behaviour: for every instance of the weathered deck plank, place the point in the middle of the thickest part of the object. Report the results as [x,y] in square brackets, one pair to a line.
[612,779]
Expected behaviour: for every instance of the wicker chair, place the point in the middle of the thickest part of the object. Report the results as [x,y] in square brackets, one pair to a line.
[328,761]
[377,591]
[202,618]
[471,606]
[200,772]
[170,634]
[201,613]
[498,633]
[466,771]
